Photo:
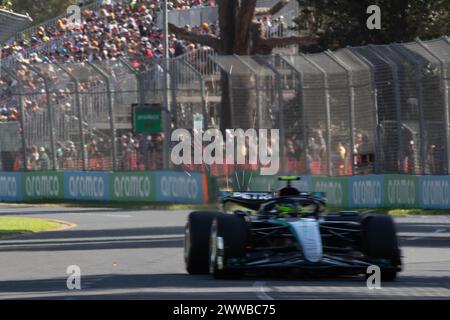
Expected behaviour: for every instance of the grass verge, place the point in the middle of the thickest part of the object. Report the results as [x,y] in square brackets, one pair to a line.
[14,226]
[116,205]
[398,212]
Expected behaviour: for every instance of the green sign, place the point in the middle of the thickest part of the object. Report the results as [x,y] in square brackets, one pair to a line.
[147,119]
[336,190]
[43,185]
[134,187]
[401,191]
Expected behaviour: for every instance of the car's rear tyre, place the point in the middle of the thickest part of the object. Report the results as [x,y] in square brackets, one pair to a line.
[379,243]
[196,242]
[228,241]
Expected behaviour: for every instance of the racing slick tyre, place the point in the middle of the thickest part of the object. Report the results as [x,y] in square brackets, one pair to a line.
[228,241]
[379,242]
[196,242]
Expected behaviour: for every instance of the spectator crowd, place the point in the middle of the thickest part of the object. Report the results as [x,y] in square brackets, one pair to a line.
[118,29]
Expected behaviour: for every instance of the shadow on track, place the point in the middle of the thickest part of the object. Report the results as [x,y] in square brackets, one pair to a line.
[161,286]
[60,211]
[132,238]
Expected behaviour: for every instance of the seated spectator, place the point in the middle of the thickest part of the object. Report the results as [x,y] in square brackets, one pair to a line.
[44,160]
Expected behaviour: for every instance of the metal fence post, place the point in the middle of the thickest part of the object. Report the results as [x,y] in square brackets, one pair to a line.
[112,122]
[279,89]
[394,69]
[419,87]
[1,160]
[22,116]
[301,88]
[445,86]
[79,114]
[351,101]
[374,98]
[50,116]
[258,98]
[173,91]
[141,92]
[202,91]
[328,110]
[166,115]
[138,80]
[229,79]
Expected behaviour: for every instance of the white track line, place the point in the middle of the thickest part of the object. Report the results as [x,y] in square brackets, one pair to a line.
[114,215]
[260,291]
[425,235]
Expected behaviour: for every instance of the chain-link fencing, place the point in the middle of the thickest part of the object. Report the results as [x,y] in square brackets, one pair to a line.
[362,110]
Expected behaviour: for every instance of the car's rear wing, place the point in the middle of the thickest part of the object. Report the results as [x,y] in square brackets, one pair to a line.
[248,199]
[248,195]
[253,200]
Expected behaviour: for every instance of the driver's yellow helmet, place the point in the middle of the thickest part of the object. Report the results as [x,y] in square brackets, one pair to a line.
[284,210]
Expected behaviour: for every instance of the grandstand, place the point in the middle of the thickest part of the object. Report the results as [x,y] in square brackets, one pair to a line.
[109,31]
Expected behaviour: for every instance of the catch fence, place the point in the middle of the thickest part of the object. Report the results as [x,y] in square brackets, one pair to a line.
[361,110]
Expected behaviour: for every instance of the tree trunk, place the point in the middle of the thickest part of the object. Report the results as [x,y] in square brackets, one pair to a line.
[244,101]
[240,34]
[227,11]
[226,121]
[227,14]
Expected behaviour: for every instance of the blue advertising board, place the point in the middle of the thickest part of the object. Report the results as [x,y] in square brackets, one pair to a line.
[434,192]
[366,191]
[91,186]
[180,187]
[370,191]
[10,186]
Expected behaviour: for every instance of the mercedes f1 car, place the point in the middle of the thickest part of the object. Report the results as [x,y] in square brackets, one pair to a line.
[288,230]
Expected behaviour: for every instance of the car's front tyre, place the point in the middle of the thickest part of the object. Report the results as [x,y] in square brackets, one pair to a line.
[379,243]
[228,240]
[196,242]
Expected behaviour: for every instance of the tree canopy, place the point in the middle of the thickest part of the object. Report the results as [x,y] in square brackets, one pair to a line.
[5,4]
[40,11]
[241,32]
[340,23]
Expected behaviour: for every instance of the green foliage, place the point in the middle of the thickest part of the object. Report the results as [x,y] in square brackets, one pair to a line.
[5,4]
[42,11]
[343,22]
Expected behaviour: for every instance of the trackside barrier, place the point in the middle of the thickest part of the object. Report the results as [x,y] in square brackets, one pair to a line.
[372,191]
[159,186]
[369,191]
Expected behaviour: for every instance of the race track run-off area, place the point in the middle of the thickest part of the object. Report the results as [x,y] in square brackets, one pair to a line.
[137,254]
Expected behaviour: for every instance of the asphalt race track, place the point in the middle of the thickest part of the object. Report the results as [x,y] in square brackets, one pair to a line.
[132,254]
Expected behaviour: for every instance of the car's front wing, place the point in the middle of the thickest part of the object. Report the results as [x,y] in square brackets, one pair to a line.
[328,264]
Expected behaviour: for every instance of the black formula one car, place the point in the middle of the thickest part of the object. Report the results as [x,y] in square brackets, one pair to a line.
[288,230]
